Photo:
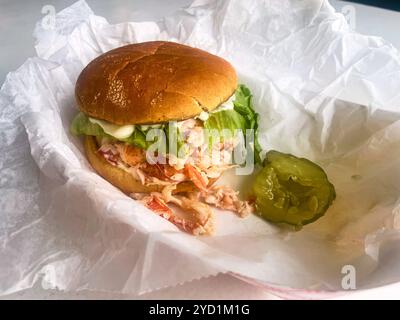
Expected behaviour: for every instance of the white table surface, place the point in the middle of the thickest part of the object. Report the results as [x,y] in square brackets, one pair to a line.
[17,21]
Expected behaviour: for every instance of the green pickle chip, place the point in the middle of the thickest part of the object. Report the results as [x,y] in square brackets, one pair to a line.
[292,190]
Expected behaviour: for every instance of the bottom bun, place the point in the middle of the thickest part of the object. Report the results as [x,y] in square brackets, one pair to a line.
[120,178]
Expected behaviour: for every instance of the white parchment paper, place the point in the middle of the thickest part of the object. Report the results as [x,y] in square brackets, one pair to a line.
[323,92]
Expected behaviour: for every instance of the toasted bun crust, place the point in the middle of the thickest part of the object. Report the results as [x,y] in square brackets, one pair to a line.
[120,178]
[153,82]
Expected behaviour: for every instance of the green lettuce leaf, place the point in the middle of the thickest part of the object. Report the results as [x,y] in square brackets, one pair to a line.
[138,138]
[241,117]
[222,125]
[82,126]
[225,119]
[243,104]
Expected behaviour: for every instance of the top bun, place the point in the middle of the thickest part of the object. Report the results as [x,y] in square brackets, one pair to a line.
[153,82]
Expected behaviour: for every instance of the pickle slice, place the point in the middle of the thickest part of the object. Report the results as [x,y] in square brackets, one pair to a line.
[292,190]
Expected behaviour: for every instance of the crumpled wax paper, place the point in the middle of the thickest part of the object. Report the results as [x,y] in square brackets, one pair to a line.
[323,92]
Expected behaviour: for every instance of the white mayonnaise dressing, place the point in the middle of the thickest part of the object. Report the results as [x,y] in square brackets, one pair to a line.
[118,132]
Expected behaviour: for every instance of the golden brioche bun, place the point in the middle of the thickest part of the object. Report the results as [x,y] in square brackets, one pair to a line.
[153,82]
[120,178]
